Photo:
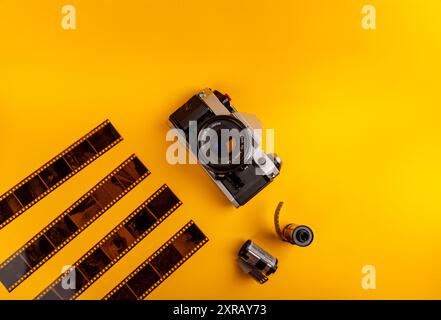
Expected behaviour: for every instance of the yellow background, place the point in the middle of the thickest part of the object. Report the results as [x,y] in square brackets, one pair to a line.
[356,116]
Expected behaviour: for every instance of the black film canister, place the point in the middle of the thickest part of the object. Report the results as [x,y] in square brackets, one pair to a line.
[301,236]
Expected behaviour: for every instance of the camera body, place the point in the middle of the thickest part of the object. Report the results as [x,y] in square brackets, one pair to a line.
[244,169]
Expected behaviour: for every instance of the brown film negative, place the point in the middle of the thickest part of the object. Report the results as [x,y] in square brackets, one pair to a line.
[58,170]
[71,222]
[160,265]
[117,243]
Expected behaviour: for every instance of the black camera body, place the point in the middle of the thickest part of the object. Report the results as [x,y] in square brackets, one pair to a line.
[244,169]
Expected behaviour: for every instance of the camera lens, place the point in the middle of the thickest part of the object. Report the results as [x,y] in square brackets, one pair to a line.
[224,144]
[302,236]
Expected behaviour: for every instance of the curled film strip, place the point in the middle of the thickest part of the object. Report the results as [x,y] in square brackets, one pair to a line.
[118,242]
[58,170]
[71,222]
[277,220]
[160,265]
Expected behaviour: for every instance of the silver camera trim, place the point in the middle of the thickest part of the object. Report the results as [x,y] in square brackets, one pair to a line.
[264,162]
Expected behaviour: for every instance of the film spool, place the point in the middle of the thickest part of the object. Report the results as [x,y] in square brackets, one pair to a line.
[257,262]
[299,235]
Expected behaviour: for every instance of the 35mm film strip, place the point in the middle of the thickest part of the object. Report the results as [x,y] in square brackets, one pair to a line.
[71,222]
[118,242]
[51,175]
[159,266]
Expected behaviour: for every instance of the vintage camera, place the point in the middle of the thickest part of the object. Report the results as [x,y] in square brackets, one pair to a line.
[225,143]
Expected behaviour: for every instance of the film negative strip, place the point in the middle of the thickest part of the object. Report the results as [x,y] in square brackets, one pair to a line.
[71,222]
[117,243]
[159,266]
[51,175]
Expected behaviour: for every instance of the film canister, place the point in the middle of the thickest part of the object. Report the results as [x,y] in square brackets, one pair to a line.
[256,261]
[299,235]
